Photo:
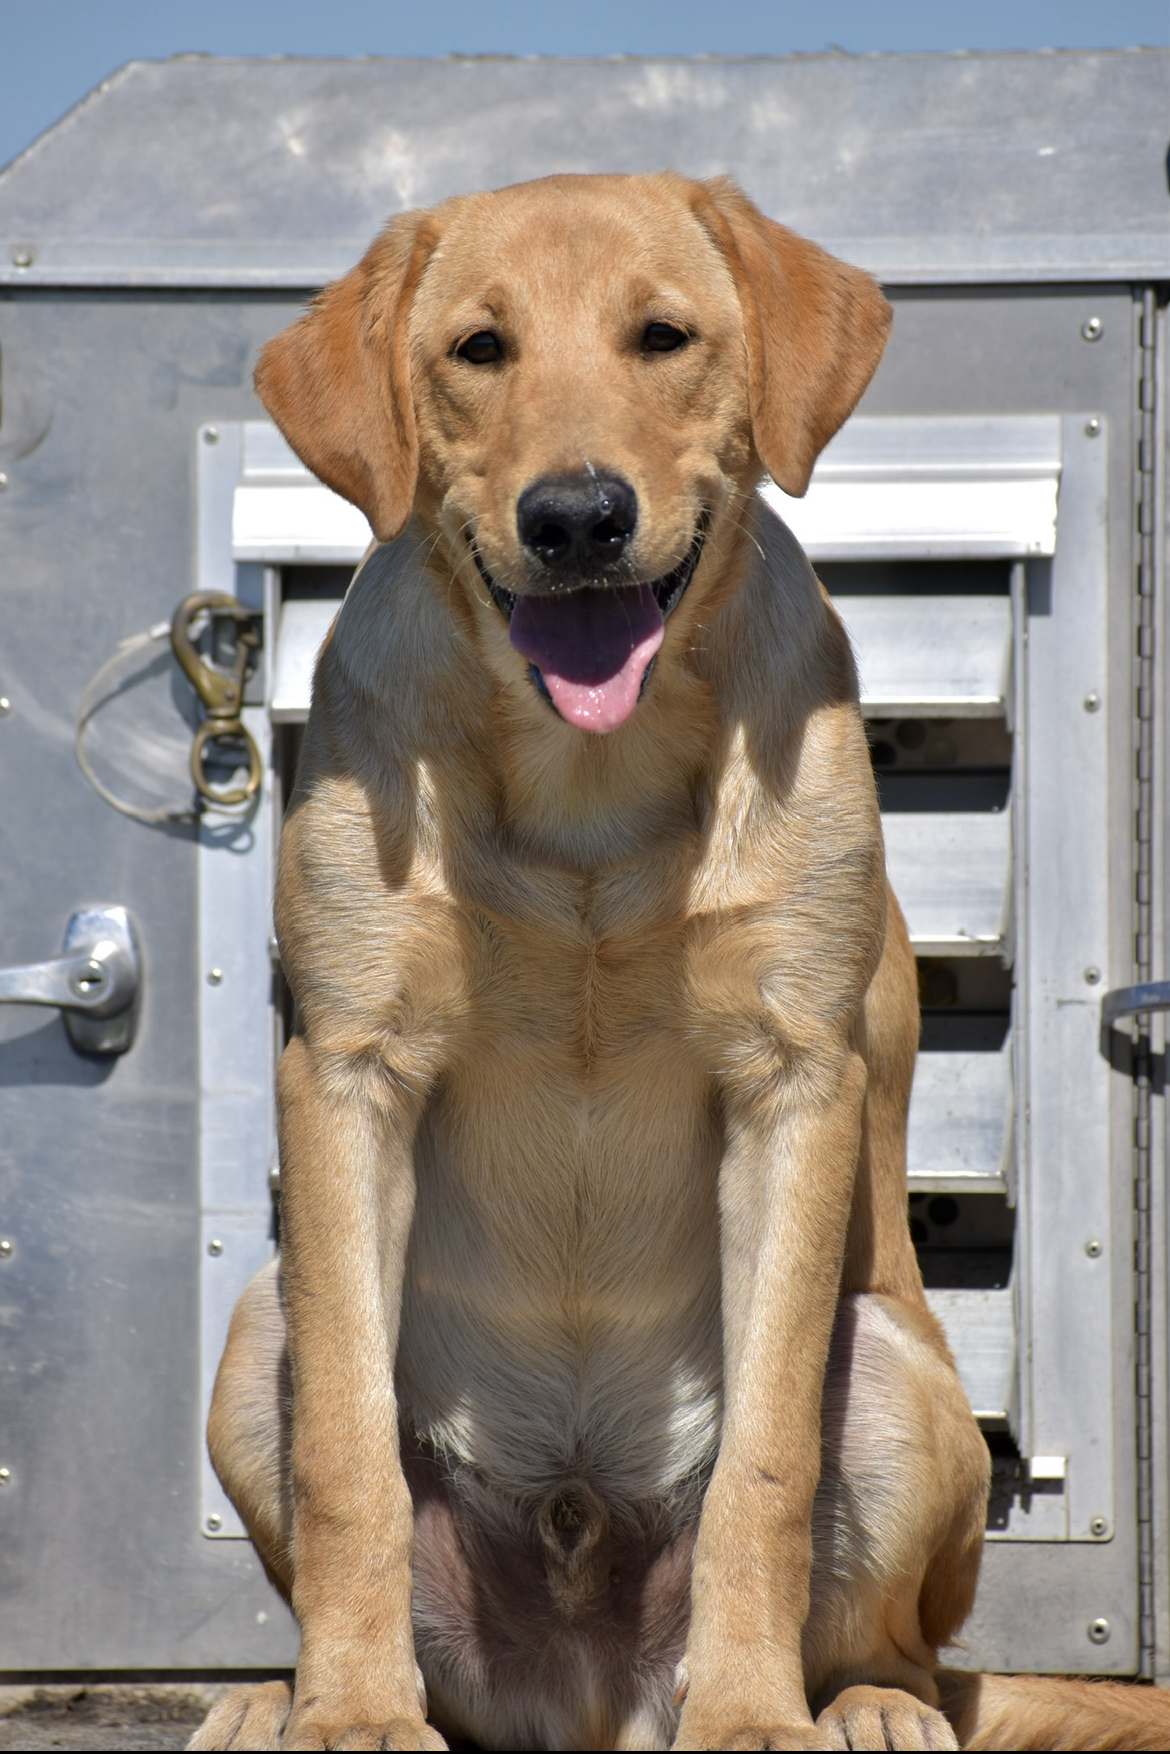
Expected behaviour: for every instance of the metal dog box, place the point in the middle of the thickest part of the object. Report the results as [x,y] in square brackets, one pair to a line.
[991,525]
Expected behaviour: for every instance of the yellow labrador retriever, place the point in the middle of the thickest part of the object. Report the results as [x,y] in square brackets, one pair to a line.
[595,1402]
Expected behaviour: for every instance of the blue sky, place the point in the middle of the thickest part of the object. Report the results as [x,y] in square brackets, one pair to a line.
[53,51]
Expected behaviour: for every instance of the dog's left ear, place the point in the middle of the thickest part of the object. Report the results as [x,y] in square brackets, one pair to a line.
[337,383]
[816,329]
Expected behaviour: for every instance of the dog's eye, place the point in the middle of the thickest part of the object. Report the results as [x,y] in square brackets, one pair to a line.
[663,338]
[482,348]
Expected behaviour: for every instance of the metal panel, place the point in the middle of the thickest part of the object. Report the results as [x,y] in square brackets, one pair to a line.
[304,623]
[933,657]
[923,168]
[909,488]
[1036,1604]
[282,513]
[952,874]
[235,1242]
[237,1023]
[289,523]
[102,1560]
[934,487]
[944,656]
[1038,1598]
[982,1333]
[1066,1362]
[961,1114]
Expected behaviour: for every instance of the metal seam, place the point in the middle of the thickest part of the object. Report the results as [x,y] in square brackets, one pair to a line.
[1144,654]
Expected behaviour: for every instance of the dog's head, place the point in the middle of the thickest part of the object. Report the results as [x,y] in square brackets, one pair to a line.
[576,383]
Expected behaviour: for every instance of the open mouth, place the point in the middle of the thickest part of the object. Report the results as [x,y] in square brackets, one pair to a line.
[591,650]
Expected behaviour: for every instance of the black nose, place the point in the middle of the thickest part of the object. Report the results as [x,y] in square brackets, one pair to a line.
[577,523]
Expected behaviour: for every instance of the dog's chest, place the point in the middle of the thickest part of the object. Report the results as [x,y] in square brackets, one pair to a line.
[563,1282]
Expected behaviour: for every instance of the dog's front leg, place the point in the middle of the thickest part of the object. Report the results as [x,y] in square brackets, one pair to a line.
[347,1175]
[792,1144]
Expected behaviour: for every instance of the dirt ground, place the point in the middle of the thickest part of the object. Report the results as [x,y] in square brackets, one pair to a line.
[101,1716]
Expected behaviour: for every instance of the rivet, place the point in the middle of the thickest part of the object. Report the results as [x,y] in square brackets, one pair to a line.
[215,977]
[215,1521]
[5,706]
[5,1248]
[1092,701]
[3,481]
[211,435]
[1092,975]
[215,1247]
[1099,1630]
[5,1476]
[1093,428]
[1092,1248]
[1098,1525]
[22,255]
[261,1618]
[1092,330]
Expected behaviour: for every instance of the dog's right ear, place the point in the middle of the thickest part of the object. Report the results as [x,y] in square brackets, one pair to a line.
[337,383]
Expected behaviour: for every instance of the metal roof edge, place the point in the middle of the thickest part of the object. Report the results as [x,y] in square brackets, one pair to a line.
[68,119]
[282,264]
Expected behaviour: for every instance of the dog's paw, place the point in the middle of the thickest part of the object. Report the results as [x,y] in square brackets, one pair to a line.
[883,1717]
[262,1717]
[247,1717]
[307,1731]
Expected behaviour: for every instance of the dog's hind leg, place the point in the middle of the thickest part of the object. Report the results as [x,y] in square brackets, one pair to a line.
[897,1530]
[248,1429]
[902,1501]
[248,1436]
[1049,1711]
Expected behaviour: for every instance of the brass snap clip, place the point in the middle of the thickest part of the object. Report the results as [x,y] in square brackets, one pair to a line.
[222,695]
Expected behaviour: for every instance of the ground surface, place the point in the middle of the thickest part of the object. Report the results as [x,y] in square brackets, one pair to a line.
[75,1716]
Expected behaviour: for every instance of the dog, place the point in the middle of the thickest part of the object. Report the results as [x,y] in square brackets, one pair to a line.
[595,1401]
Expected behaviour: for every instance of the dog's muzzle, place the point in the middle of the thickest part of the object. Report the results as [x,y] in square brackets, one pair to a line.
[591,650]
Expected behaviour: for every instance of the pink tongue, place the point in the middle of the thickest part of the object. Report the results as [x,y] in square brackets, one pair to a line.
[592,647]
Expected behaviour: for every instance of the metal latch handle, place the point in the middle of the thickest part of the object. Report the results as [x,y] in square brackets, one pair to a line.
[1131,1002]
[96,984]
